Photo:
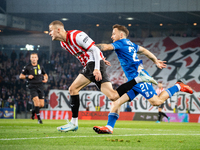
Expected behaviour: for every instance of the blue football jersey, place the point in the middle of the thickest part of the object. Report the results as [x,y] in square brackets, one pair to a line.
[127,55]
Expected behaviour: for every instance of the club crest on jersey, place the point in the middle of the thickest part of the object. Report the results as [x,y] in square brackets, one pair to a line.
[39,71]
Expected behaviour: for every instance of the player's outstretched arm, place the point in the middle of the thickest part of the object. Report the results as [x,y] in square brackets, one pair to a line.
[105,47]
[159,63]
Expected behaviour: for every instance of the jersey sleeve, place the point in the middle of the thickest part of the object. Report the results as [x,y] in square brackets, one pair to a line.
[116,45]
[43,71]
[25,71]
[136,47]
[84,40]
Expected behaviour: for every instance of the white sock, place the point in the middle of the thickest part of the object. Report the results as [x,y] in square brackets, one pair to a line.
[109,127]
[138,79]
[179,87]
[75,121]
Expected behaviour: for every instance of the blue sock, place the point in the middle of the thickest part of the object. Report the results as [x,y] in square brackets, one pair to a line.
[112,118]
[172,90]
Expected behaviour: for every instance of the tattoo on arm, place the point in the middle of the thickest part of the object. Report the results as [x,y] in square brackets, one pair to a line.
[100,46]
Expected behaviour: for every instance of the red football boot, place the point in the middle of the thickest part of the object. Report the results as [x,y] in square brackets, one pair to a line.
[102,130]
[185,88]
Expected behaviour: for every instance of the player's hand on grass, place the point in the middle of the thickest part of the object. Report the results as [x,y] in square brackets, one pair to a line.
[161,64]
[97,74]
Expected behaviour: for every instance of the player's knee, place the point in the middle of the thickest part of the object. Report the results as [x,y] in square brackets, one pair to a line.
[114,96]
[36,98]
[111,97]
[72,90]
[155,103]
[41,105]
[115,105]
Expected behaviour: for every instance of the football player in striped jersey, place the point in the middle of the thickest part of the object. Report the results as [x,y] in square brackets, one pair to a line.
[80,45]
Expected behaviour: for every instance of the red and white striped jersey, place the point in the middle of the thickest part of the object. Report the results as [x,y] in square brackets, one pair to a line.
[78,44]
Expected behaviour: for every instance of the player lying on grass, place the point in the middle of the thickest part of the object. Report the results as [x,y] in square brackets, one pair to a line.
[80,45]
[127,55]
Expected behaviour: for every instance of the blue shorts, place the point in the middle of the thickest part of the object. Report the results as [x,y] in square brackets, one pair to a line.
[143,88]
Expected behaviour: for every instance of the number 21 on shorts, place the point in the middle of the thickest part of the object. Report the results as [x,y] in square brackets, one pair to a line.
[144,87]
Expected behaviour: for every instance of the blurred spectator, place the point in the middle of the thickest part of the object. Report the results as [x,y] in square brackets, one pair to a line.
[46,102]
[29,104]
[5,58]
[178,34]
[21,55]
[1,102]
[9,103]
[13,56]
[87,108]
[1,57]
[128,108]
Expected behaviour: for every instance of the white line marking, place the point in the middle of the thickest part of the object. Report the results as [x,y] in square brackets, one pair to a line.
[91,136]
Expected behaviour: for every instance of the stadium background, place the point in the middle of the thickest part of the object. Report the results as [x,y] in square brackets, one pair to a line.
[170,29]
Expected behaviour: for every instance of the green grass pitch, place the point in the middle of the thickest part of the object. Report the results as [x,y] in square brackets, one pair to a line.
[26,134]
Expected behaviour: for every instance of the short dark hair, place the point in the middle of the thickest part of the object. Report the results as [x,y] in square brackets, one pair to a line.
[57,22]
[34,54]
[122,28]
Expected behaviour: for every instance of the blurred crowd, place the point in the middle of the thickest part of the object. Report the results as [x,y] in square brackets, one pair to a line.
[61,67]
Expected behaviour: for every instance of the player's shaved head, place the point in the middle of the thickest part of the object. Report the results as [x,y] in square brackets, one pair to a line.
[57,23]
[122,28]
[57,31]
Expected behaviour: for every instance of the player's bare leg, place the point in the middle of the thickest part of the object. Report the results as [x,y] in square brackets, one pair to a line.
[41,103]
[164,95]
[158,100]
[107,89]
[80,82]
[155,100]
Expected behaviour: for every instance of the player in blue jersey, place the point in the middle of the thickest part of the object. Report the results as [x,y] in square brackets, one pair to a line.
[131,65]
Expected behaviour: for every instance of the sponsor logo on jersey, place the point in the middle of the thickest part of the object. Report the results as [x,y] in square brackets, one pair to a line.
[85,39]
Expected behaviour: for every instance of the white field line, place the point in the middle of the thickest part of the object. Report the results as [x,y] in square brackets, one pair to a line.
[12,139]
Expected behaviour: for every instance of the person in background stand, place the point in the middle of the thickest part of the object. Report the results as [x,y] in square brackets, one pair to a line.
[160,113]
[36,76]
